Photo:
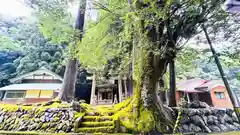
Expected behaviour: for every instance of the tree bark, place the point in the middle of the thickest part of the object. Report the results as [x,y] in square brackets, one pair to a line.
[70,77]
[120,88]
[67,92]
[92,100]
[172,92]
[154,69]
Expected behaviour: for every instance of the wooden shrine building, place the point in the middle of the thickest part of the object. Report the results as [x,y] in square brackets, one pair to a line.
[109,91]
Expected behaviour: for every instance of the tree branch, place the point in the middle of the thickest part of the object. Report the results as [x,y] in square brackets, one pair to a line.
[98,4]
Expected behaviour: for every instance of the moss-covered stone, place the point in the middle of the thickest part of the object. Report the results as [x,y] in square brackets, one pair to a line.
[97,124]
[57,117]
[105,129]
[98,118]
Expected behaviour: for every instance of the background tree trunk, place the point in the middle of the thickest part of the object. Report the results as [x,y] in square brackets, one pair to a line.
[172,92]
[70,76]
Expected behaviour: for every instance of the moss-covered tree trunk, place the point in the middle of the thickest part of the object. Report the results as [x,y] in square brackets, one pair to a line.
[148,67]
[153,70]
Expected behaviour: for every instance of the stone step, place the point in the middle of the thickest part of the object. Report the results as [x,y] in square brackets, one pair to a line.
[92,114]
[110,113]
[97,124]
[105,129]
[97,118]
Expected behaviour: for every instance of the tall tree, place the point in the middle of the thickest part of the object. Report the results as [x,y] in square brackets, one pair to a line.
[57,12]
[70,76]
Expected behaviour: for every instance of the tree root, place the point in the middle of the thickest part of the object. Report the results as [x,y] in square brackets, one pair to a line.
[165,112]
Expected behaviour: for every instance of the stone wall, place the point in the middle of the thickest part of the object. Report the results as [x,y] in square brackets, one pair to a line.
[207,120]
[60,118]
[49,120]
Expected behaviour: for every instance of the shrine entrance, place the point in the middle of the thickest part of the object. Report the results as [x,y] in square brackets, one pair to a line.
[105,93]
[108,91]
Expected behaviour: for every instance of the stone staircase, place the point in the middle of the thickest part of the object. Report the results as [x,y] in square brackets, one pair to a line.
[93,122]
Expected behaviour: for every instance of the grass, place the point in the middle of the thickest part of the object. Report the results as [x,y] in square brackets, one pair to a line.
[97,124]
[37,133]
[227,133]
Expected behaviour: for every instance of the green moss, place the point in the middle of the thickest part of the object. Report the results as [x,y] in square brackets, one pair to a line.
[123,104]
[227,133]
[78,114]
[177,123]
[26,117]
[18,133]
[37,133]
[9,108]
[97,124]
[56,119]
[105,129]
[127,116]
[101,110]
[84,105]
[30,133]
[45,126]
[39,109]
[146,120]
[103,121]
[77,123]
[98,118]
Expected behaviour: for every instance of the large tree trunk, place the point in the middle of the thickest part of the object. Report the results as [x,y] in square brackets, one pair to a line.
[153,70]
[70,76]
[147,69]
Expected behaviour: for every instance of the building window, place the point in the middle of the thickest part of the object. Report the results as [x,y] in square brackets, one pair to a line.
[220,95]
[15,94]
[46,94]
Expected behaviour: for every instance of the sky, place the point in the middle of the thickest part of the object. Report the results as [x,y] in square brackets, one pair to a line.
[13,8]
[16,8]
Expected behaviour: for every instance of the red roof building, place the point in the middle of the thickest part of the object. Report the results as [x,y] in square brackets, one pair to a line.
[212,92]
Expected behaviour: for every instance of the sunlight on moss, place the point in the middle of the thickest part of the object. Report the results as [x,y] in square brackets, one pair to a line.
[104,116]
[37,108]
[227,133]
[146,120]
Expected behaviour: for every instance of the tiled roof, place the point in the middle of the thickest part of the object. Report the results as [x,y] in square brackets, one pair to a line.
[190,85]
[33,86]
[211,84]
[41,70]
[195,85]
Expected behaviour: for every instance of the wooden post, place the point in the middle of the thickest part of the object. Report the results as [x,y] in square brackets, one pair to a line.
[167,97]
[172,91]
[188,98]
[93,89]
[125,87]
[120,88]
